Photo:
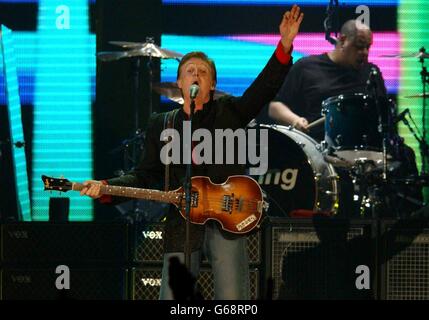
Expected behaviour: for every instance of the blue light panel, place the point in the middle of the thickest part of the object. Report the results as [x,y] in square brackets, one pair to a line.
[65,60]
[15,123]
[280,2]
[237,66]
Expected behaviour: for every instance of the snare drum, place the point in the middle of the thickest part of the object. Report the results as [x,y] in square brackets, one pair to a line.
[298,177]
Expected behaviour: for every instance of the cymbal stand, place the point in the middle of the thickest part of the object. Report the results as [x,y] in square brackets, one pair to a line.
[382,128]
[425,80]
[149,66]
[366,190]
[138,131]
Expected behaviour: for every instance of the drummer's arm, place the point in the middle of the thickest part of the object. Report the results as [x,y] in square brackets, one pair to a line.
[284,115]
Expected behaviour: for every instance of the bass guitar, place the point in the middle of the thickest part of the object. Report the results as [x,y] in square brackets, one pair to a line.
[237,204]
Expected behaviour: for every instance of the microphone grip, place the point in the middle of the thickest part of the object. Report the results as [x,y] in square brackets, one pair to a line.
[193,91]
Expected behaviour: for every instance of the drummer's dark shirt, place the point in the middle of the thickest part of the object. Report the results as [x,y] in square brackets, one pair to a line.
[315,78]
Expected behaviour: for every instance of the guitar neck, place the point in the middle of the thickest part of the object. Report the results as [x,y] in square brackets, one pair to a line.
[138,193]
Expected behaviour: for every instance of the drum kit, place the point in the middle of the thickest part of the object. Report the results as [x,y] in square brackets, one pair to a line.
[360,147]
[362,168]
[355,171]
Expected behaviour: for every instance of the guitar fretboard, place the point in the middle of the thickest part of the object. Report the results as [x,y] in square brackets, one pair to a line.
[138,193]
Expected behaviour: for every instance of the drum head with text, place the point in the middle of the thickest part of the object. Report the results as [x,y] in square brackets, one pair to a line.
[289,182]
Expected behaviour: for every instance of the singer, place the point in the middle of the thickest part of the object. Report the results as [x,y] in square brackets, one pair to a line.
[197,78]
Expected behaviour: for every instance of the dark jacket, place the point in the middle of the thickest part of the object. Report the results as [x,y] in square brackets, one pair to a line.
[226,112]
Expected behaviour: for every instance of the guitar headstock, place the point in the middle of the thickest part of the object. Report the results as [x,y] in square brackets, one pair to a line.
[54,184]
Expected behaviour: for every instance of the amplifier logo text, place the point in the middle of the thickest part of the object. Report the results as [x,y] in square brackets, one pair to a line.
[152,235]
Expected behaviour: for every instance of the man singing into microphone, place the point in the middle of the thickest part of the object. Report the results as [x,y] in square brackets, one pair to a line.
[196,75]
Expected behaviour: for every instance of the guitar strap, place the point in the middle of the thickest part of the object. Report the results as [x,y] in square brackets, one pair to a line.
[169,120]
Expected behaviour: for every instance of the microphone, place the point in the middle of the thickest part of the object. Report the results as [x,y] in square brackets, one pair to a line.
[331,10]
[193,90]
[402,115]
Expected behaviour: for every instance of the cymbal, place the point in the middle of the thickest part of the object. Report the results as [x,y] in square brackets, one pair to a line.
[148,49]
[407,55]
[172,91]
[421,95]
[127,44]
[111,55]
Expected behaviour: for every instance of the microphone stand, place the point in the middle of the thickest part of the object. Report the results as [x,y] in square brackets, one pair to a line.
[331,10]
[424,147]
[188,191]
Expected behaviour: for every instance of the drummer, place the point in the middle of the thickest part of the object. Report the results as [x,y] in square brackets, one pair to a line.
[315,78]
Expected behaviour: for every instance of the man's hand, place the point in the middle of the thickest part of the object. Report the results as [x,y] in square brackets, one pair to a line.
[92,189]
[301,124]
[289,26]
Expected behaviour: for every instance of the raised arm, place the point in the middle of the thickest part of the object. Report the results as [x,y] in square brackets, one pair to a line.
[267,84]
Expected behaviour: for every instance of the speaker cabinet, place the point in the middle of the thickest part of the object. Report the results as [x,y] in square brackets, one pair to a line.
[149,242]
[40,284]
[146,283]
[317,258]
[83,242]
[405,260]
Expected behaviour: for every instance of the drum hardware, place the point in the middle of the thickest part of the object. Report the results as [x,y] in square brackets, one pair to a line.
[338,161]
[425,81]
[334,177]
[330,193]
[138,49]
[365,190]
[420,95]
[339,139]
[411,199]
[421,55]
[424,147]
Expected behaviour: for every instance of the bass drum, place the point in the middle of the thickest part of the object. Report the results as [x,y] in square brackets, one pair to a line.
[298,177]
